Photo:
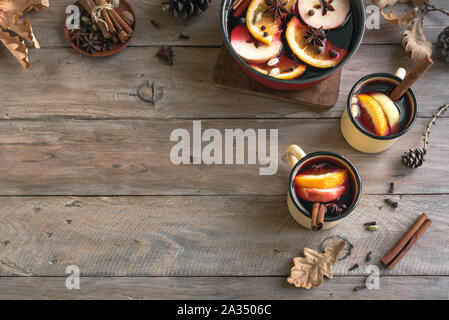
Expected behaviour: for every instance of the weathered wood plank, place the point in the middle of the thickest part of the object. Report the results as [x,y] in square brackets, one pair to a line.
[203,236]
[65,84]
[275,288]
[203,31]
[131,157]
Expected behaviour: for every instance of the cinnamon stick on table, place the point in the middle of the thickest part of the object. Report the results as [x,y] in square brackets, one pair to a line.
[406,242]
[410,79]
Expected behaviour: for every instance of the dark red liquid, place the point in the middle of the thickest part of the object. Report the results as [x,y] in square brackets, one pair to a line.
[341,37]
[385,87]
[321,165]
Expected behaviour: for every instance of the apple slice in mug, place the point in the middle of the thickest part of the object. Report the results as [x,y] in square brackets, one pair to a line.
[390,110]
[322,195]
[252,50]
[328,14]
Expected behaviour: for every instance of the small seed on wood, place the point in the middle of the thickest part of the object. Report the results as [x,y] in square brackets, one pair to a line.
[155,24]
[368,256]
[391,187]
[391,203]
[372,228]
[356,266]
[272,62]
[371,223]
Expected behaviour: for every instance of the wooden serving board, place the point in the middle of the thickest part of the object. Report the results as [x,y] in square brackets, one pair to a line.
[228,74]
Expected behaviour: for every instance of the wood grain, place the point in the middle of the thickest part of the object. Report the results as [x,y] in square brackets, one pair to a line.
[203,236]
[223,288]
[204,30]
[229,75]
[133,158]
[67,85]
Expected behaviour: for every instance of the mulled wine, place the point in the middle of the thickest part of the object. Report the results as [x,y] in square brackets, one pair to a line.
[291,39]
[375,112]
[323,180]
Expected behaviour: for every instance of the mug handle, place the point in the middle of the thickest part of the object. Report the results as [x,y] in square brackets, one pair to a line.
[294,154]
[400,73]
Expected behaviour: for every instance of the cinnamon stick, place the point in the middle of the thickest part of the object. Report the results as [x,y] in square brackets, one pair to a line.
[240,8]
[106,17]
[406,242]
[122,22]
[410,79]
[121,34]
[320,218]
[315,209]
[88,5]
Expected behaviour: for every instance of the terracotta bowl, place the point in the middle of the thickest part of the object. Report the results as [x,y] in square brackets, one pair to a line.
[116,47]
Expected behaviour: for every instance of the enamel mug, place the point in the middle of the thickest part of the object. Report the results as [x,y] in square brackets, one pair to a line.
[297,159]
[368,142]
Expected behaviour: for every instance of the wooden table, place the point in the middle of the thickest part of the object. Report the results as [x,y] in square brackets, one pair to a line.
[86,178]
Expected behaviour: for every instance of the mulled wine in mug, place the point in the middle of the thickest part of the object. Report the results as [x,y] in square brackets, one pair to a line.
[372,121]
[324,188]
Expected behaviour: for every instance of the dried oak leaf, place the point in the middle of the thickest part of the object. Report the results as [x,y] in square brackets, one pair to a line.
[415,41]
[388,3]
[309,271]
[10,13]
[405,19]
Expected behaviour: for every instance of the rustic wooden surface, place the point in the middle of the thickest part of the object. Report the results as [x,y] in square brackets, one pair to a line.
[229,75]
[87,180]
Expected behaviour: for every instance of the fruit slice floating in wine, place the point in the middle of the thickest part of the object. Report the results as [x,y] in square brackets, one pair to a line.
[390,109]
[327,56]
[281,68]
[328,14]
[372,109]
[322,195]
[252,50]
[321,180]
[261,24]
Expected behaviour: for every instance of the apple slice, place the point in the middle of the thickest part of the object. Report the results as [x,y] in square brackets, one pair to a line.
[321,195]
[390,110]
[252,50]
[374,111]
[328,14]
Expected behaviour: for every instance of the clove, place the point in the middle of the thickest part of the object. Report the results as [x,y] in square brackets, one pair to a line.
[391,203]
[391,187]
[368,256]
[356,266]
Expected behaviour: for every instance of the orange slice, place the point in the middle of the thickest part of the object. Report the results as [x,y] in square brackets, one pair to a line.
[295,37]
[260,24]
[321,181]
[287,68]
[374,110]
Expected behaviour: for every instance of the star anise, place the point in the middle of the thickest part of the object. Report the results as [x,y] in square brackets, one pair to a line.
[77,36]
[166,54]
[276,8]
[315,36]
[91,44]
[326,6]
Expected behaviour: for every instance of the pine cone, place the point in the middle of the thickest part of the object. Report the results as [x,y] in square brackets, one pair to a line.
[185,8]
[413,158]
[442,46]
